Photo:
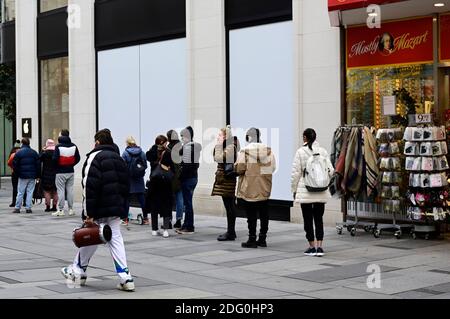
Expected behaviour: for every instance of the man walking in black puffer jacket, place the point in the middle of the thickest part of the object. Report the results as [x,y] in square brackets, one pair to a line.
[105,191]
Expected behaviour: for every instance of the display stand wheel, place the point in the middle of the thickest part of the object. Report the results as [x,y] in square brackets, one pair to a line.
[367,229]
[140,219]
[427,236]
[413,235]
[376,233]
[353,231]
[339,230]
[398,234]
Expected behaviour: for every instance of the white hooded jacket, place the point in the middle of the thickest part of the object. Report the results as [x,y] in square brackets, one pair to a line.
[297,180]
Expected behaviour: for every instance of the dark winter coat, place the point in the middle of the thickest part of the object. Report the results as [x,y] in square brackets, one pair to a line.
[48,171]
[105,183]
[224,186]
[175,147]
[66,155]
[26,163]
[136,183]
[160,195]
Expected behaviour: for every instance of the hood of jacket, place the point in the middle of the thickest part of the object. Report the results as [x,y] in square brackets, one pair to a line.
[64,140]
[315,148]
[134,150]
[258,153]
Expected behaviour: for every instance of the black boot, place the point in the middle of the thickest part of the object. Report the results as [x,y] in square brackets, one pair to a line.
[54,209]
[261,242]
[47,208]
[227,236]
[251,243]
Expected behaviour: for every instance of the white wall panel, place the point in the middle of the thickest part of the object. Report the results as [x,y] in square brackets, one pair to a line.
[163,88]
[118,93]
[262,92]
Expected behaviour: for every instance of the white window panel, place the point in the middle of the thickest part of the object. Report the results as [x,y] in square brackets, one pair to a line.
[261,92]
[118,93]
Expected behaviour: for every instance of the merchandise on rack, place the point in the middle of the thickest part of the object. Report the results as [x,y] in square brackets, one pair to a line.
[354,156]
[390,152]
[426,161]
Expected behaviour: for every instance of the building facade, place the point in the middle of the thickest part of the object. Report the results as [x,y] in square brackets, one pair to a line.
[143,67]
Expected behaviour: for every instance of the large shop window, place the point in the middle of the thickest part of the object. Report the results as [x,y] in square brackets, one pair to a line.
[6,143]
[367,86]
[54,97]
[261,92]
[47,5]
[142,90]
[8,10]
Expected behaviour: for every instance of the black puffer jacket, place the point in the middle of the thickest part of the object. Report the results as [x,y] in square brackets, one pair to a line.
[48,171]
[105,183]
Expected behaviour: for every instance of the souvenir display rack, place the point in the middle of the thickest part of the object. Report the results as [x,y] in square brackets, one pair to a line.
[392,188]
[426,162]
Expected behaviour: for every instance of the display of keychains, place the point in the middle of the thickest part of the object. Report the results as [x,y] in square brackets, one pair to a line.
[426,161]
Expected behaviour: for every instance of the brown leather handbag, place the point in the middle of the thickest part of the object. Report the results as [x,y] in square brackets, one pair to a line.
[91,234]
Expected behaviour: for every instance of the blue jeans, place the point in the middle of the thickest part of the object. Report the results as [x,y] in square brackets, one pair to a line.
[179,204]
[188,187]
[25,186]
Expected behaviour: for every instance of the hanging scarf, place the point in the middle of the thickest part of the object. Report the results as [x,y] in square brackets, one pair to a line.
[371,159]
[354,162]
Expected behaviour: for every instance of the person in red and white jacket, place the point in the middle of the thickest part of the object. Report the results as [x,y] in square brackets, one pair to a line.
[66,156]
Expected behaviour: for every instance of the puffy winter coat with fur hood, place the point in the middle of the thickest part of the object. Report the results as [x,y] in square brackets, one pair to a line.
[297,180]
[255,165]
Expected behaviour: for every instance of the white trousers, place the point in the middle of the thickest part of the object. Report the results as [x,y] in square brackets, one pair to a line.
[116,248]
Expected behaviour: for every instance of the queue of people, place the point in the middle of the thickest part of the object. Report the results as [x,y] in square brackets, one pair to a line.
[243,179]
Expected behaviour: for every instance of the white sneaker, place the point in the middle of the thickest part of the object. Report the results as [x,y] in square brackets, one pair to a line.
[58,213]
[166,234]
[155,233]
[69,273]
[71,212]
[126,286]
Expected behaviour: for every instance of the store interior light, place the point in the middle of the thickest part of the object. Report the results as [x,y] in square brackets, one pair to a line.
[439,4]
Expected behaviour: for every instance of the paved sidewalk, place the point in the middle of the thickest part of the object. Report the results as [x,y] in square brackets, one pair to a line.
[34,247]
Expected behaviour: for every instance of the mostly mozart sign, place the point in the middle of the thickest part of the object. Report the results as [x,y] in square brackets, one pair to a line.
[407,41]
[444,43]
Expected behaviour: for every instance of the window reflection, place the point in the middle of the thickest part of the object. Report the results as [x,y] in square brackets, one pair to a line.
[47,5]
[54,97]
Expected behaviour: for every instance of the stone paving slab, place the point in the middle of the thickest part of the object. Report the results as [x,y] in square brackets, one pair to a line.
[337,273]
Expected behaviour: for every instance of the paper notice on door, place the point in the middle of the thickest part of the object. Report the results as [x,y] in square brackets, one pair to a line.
[389,105]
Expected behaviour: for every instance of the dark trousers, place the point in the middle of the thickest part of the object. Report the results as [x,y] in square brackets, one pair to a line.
[252,209]
[141,200]
[313,216]
[166,221]
[229,203]
[188,187]
[15,182]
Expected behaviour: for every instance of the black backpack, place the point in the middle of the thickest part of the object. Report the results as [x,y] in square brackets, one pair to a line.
[136,166]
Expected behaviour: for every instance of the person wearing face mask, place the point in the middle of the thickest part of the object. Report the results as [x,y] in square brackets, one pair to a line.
[225,154]
[106,186]
[190,163]
[255,166]
[160,194]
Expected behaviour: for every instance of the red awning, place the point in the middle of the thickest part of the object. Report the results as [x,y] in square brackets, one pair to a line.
[340,5]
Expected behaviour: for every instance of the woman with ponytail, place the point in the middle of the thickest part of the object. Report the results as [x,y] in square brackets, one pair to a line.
[312,203]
